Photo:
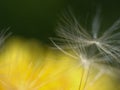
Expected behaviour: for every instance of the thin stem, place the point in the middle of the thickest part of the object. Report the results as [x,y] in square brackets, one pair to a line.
[88,71]
[84,74]
[81,79]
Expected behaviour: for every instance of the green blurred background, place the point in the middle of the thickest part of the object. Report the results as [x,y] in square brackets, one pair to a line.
[37,18]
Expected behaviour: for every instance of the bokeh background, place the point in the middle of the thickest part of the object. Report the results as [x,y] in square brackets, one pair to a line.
[37,18]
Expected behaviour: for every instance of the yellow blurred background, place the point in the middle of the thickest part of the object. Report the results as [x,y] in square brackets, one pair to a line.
[31,65]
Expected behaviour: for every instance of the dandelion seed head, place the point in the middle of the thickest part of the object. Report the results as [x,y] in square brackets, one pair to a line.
[98,49]
[105,47]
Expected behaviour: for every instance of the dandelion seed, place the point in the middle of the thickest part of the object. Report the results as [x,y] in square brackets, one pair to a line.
[78,39]
[89,48]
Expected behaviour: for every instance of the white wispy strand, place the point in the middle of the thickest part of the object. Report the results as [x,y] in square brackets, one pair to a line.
[96,24]
[4,34]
